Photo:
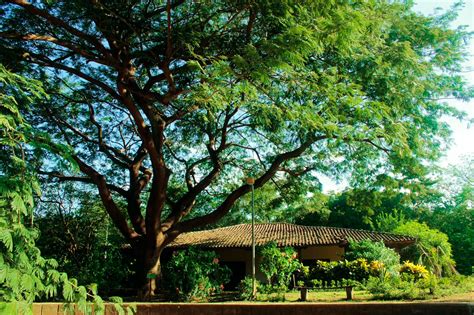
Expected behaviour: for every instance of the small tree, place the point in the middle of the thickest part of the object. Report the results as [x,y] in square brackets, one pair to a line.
[278,265]
[454,214]
[389,221]
[432,248]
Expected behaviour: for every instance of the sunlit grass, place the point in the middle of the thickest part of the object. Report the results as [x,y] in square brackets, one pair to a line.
[315,296]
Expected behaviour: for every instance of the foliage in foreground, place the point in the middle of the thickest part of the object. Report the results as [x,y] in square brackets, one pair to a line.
[194,274]
[26,276]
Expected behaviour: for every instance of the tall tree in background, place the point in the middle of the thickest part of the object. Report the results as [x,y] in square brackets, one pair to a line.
[454,214]
[160,104]
[75,231]
[386,199]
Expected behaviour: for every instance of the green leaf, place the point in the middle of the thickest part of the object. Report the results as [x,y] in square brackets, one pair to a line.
[119,308]
[9,308]
[50,290]
[93,288]
[82,306]
[54,275]
[6,239]
[131,309]
[99,305]
[3,272]
[116,299]
[18,205]
[68,292]
[27,283]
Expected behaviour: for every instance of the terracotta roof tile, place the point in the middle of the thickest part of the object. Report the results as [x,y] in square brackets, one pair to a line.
[284,234]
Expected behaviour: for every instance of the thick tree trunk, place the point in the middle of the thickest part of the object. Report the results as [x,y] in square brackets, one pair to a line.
[149,271]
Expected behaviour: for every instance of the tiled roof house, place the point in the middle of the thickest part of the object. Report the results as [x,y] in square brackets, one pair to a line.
[284,234]
[233,243]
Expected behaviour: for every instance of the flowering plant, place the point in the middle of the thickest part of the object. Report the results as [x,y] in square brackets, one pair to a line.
[278,265]
[415,270]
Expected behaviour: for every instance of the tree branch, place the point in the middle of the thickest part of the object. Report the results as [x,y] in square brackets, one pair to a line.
[242,190]
[88,180]
[136,186]
[51,39]
[111,207]
[44,61]
[60,23]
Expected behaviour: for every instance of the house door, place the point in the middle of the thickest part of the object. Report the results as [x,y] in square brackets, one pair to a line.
[238,274]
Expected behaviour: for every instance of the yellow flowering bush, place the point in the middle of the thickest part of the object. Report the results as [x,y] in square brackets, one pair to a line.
[376,267]
[359,270]
[415,270]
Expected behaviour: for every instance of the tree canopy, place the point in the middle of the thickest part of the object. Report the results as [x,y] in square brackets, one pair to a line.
[161,104]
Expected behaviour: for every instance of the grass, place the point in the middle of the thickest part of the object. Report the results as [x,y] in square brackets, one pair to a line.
[358,296]
[333,297]
[315,296]
[459,297]
[456,289]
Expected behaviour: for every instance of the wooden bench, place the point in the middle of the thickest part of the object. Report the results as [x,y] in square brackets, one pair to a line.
[304,291]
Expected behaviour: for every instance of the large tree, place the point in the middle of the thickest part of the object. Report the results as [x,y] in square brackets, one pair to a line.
[453,214]
[161,104]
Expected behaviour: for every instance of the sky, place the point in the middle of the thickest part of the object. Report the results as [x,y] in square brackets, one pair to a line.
[463,136]
[462,142]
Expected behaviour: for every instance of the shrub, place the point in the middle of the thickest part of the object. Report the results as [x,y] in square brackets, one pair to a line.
[397,288]
[376,268]
[374,251]
[194,274]
[411,286]
[432,248]
[417,271]
[275,288]
[324,273]
[278,264]
[245,288]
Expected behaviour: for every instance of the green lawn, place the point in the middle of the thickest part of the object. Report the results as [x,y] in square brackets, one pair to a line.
[358,296]
[315,296]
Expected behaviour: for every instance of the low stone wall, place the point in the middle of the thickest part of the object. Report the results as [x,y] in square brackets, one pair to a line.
[414,308]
